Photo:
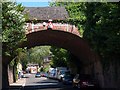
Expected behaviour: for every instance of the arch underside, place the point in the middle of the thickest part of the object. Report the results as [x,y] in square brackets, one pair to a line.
[66,40]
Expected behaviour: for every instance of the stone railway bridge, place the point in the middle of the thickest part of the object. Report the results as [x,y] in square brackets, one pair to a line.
[62,35]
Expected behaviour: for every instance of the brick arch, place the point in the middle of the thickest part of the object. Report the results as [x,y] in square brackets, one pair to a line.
[66,37]
[69,41]
[73,43]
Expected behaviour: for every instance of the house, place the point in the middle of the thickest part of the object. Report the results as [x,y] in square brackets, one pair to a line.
[32,68]
[46,59]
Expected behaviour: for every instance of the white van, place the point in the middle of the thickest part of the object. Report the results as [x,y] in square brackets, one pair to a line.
[52,73]
[62,73]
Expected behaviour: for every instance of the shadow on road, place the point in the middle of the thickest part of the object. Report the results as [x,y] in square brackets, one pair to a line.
[43,87]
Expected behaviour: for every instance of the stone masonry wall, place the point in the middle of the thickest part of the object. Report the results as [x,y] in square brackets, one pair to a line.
[112,75]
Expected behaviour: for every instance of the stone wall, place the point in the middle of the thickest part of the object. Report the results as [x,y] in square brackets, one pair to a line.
[98,73]
[108,77]
[10,75]
[95,69]
[112,75]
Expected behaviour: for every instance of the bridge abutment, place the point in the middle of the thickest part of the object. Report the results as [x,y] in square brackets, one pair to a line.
[95,69]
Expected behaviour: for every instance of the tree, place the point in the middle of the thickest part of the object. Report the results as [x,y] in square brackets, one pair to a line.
[37,54]
[22,57]
[98,23]
[101,29]
[62,57]
[59,57]
[76,13]
[13,33]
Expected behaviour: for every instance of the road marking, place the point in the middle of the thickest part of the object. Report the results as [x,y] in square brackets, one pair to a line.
[24,83]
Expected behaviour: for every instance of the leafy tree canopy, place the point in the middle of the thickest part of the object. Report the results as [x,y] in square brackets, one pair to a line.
[102,28]
[99,24]
[13,31]
[59,57]
[36,54]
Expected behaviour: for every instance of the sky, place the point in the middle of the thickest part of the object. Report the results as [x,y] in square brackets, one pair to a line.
[45,3]
[34,3]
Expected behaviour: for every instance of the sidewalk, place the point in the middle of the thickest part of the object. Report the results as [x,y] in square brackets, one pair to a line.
[19,82]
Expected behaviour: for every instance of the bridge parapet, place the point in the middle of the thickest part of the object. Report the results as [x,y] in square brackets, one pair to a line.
[30,28]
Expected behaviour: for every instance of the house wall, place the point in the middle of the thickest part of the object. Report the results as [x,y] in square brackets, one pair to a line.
[32,68]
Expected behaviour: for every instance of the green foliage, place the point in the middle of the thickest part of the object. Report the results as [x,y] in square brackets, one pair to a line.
[99,24]
[13,32]
[63,58]
[102,28]
[77,17]
[46,69]
[59,57]
[12,63]
[22,56]
[37,54]
[76,13]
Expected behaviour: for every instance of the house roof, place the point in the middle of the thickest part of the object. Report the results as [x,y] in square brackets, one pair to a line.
[46,13]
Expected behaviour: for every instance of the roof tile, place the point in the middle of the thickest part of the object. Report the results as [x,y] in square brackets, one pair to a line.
[46,13]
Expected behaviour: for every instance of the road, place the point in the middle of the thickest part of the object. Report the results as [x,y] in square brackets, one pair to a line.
[42,83]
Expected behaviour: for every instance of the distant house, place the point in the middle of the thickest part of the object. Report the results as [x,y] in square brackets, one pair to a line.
[32,68]
[46,59]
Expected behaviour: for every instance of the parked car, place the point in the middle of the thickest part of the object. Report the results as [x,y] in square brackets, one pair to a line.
[84,81]
[22,74]
[43,74]
[67,79]
[62,73]
[52,73]
[37,74]
[46,74]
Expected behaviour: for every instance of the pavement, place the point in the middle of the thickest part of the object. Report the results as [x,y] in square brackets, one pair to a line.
[19,82]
